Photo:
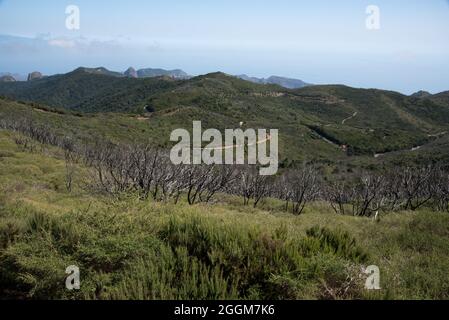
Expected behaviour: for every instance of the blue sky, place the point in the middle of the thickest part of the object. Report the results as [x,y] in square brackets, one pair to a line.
[319,41]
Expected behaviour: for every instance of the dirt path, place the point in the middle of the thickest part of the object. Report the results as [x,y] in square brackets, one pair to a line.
[377,155]
[268,138]
[437,134]
[42,111]
[349,118]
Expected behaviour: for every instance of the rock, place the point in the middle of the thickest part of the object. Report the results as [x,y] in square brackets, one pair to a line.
[7,79]
[131,73]
[35,76]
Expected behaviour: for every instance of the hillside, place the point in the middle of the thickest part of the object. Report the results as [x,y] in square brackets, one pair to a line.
[88,91]
[316,122]
[441,98]
[132,249]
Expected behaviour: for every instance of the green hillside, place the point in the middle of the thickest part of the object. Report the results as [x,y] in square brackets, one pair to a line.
[88,91]
[127,248]
[316,122]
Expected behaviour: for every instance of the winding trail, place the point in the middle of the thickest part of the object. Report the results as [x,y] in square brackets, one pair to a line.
[377,155]
[437,134]
[268,138]
[230,147]
[349,118]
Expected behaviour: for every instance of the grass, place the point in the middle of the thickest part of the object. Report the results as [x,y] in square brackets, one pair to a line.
[131,249]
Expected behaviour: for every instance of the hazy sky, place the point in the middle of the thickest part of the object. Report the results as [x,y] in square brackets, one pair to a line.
[319,41]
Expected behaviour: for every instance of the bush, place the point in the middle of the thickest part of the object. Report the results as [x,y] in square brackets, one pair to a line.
[337,242]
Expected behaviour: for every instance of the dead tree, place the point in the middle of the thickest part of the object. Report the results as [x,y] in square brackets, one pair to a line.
[245,186]
[261,188]
[283,190]
[368,195]
[250,185]
[305,187]
[143,163]
[71,159]
[168,180]
[440,184]
[338,194]
[222,177]
[416,186]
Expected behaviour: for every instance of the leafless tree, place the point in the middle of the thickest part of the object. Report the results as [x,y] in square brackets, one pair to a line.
[222,177]
[71,158]
[143,162]
[138,167]
[252,186]
[305,187]
[283,190]
[338,194]
[416,186]
[368,195]
[440,188]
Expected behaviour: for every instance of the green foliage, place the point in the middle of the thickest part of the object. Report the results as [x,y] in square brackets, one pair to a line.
[366,121]
[336,242]
[84,91]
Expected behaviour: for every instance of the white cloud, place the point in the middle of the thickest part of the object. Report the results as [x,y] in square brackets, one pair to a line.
[62,43]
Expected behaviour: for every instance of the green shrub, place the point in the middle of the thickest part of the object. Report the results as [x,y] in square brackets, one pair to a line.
[10,230]
[337,242]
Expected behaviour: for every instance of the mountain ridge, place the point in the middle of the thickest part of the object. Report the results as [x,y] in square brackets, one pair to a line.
[355,121]
[289,83]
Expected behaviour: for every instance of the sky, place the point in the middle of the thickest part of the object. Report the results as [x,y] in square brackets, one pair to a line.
[320,41]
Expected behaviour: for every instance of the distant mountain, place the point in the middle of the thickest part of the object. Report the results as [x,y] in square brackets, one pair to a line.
[150,73]
[36,75]
[421,94]
[100,71]
[7,79]
[86,89]
[142,73]
[288,83]
[16,76]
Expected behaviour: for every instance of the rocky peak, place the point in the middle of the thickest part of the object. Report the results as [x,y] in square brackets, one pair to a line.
[131,73]
[35,76]
[7,79]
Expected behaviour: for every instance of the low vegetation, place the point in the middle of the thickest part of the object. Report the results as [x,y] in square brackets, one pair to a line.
[129,247]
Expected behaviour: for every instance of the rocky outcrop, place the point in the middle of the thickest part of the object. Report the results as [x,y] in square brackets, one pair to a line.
[7,79]
[35,76]
[131,73]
